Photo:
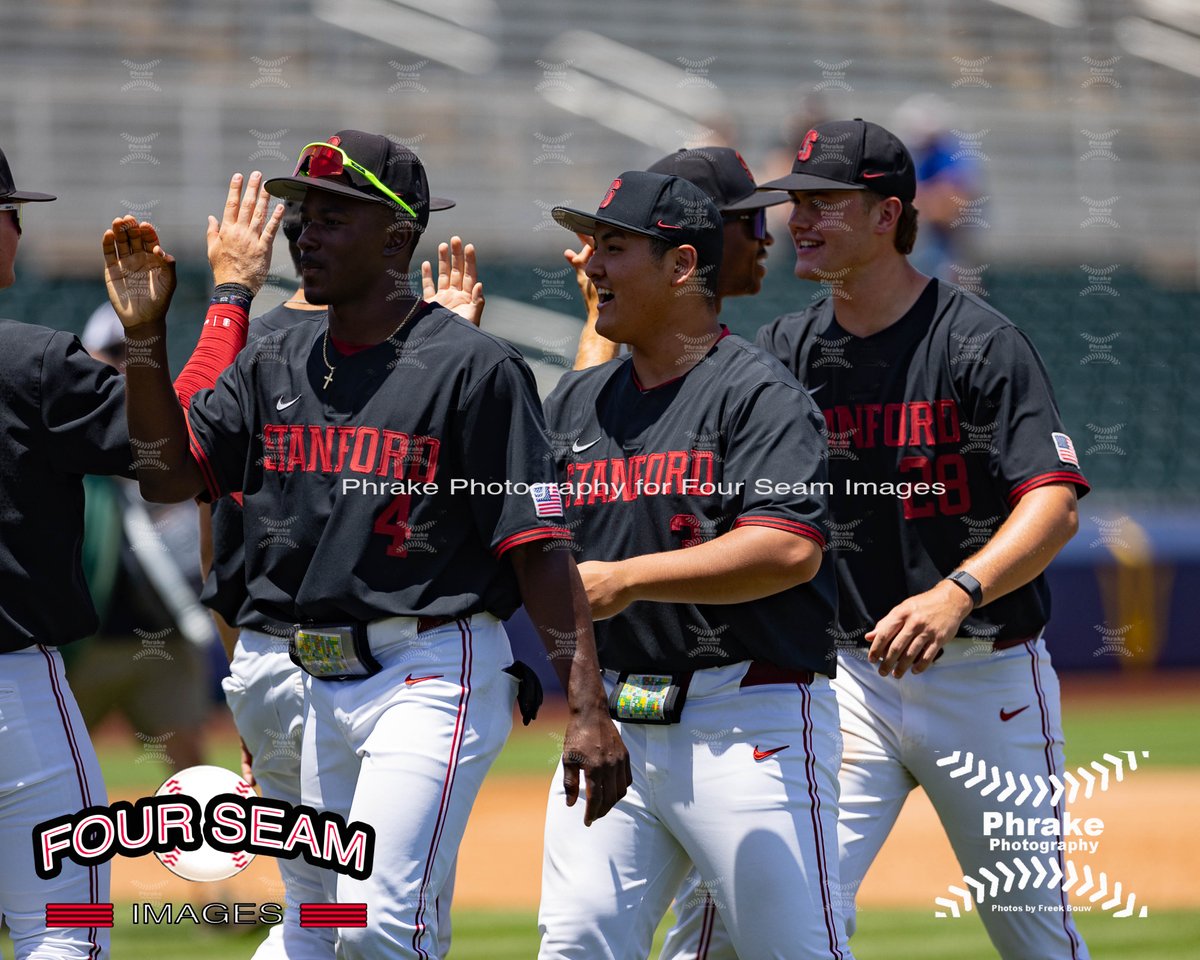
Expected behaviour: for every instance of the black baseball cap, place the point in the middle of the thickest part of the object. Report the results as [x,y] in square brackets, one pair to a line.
[395,166]
[8,188]
[851,155]
[654,205]
[722,174]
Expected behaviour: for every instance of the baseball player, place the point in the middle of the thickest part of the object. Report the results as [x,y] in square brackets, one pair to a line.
[724,176]
[922,383]
[346,448]
[691,566]
[265,689]
[63,416]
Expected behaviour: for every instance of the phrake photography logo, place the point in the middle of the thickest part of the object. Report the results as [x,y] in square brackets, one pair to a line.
[1030,818]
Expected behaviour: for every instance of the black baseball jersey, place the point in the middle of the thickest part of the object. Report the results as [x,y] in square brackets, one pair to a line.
[225,588]
[394,492]
[62,414]
[937,426]
[733,442]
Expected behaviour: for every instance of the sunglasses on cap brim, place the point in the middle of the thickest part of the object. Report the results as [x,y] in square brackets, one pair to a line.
[756,218]
[327,160]
[16,211]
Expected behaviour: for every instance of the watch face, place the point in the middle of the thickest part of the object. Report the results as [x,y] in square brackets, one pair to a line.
[969,584]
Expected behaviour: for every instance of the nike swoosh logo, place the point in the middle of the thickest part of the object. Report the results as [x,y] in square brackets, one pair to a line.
[763,754]
[280,405]
[873,176]
[576,448]
[812,391]
[1005,716]
[669,226]
[410,679]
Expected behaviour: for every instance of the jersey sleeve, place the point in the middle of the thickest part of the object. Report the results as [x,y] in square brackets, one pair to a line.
[219,430]
[772,337]
[506,457]
[1010,407]
[776,446]
[83,410]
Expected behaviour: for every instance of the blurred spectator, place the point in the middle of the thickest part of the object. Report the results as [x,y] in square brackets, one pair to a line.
[949,186]
[141,560]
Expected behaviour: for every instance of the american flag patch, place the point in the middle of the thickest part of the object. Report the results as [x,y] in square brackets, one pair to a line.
[1065,448]
[547,501]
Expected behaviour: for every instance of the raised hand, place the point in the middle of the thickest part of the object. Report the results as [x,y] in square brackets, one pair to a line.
[579,259]
[456,287]
[139,274]
[239,244]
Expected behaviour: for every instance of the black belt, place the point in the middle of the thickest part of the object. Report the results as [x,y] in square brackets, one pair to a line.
[762,673]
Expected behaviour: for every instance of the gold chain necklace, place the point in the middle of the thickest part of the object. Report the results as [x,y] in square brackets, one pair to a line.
[325,342]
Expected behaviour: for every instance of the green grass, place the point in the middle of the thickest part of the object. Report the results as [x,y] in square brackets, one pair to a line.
[1166,730]
[127,769]
[882,935]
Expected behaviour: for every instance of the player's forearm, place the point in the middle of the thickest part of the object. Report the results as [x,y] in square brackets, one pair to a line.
[1041,524]
[557,604]
[745,564]
[158,432]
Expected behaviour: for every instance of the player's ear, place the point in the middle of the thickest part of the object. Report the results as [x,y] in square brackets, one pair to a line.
[887,214]
[685,264]
[402,235]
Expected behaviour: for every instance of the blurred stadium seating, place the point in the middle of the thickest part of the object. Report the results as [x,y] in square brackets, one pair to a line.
[519,104]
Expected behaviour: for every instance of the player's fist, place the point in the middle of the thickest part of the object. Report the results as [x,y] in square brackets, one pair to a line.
[607,591]
[139,274]
[239,244]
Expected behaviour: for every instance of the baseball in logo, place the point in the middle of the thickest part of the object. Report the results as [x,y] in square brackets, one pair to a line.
[616,185]
[806,146]
[202,784]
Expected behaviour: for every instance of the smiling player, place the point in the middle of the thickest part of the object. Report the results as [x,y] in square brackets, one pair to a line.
[690,570]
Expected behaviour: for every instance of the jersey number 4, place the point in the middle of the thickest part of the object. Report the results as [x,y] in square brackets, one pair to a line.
[949,473]
[393,522]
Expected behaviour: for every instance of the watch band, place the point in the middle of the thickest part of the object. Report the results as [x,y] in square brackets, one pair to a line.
[973,588]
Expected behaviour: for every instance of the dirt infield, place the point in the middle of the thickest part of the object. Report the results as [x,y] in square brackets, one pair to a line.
[1146,846]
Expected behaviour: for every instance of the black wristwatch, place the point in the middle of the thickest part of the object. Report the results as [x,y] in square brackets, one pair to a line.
[973,588]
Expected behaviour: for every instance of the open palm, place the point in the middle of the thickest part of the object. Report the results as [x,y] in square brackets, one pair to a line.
[139,274]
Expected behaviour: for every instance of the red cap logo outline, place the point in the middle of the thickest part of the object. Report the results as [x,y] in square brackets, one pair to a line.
[806,146]
[616,185]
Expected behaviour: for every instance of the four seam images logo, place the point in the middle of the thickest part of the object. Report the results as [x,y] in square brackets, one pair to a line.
[61,916]
[204,823]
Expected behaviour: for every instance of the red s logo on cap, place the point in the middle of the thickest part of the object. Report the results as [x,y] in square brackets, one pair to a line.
[743,163]
[616,185]
[806,147]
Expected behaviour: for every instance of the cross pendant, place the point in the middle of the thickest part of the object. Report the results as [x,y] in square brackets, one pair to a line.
[328,380]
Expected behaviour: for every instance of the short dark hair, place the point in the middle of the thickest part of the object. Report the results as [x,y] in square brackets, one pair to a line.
[709,273]
[906,227]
